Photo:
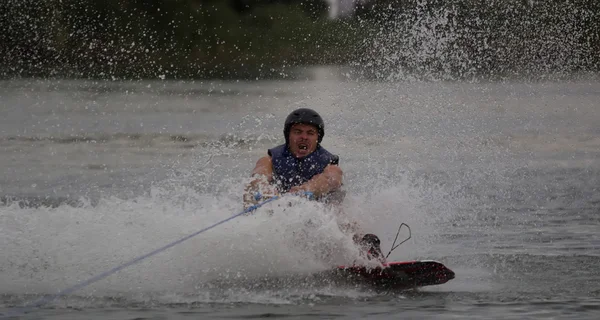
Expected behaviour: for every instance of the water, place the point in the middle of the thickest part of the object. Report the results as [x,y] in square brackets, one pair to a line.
[498,181]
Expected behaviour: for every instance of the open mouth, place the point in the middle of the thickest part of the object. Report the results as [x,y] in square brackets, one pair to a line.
[302,146]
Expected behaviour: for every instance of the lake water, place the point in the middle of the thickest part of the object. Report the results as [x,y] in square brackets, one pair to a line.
[500,181]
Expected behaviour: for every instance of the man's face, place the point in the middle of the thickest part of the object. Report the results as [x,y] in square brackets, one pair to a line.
[303,139]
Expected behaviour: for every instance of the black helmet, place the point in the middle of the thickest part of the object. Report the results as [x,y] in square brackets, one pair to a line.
[305,116]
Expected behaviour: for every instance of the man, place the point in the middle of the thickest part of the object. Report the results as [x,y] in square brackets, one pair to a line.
[302,166]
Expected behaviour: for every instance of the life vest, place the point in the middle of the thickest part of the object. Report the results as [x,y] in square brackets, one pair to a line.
[289,171]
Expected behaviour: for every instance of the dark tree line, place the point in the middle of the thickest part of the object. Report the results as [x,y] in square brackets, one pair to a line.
[450,39]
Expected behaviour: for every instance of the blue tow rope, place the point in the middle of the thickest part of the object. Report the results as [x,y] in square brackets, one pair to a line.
[42,301]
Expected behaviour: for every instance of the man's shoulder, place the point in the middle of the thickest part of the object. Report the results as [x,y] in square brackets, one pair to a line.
[265,159]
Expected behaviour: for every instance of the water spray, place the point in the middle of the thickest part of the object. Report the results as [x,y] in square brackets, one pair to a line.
[47,299]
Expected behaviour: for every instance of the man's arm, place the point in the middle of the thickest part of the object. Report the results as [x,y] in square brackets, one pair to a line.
[261,182]
[323,183]
[264,167]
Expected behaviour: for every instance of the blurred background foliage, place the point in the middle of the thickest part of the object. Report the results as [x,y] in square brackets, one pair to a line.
[133,39]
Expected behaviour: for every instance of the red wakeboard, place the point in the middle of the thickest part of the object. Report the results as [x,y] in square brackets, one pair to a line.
[399,275]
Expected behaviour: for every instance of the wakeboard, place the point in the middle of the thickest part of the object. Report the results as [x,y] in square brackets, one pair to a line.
[398,275]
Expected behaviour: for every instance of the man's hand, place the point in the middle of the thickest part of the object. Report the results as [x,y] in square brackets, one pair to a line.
[257,191]
[323,183]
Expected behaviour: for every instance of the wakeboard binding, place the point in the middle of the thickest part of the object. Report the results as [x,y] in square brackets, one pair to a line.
[371,245]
